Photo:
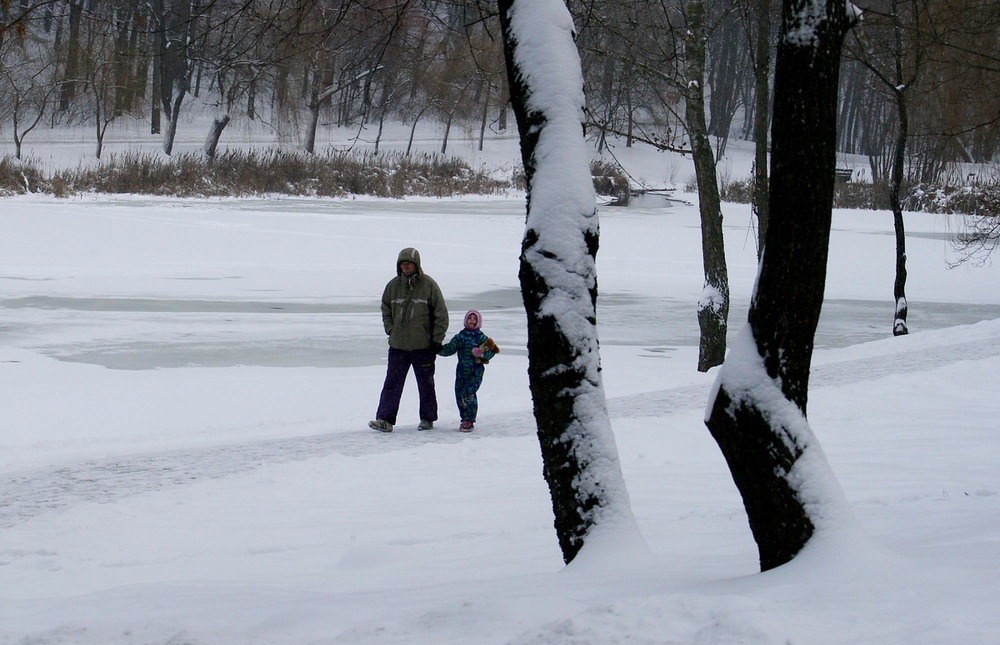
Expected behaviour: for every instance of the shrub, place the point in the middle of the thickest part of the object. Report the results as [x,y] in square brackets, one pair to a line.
[249,172]
[739,192]
[609,180]
[862,195]
[971,200]
[18,177]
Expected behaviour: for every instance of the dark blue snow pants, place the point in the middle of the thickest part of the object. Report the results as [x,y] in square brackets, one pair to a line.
[400,361]
[468,378]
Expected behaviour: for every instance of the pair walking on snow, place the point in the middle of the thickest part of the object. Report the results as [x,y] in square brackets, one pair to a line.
[415,318]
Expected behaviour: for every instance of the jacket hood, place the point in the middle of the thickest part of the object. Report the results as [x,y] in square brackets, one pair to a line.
[409,254]
[479,320]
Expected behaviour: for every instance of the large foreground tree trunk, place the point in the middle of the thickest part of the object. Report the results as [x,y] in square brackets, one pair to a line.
[713,306]
[758,413]
[559,280]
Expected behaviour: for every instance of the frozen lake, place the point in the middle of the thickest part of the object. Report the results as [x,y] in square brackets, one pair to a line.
[250,306]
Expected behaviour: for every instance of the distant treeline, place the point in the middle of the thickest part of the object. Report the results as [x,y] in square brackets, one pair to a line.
[298,66]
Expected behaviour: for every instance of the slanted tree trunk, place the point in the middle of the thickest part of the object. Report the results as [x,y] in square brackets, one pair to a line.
[173,117]
[758,411]
[214,134]
[309,144]
[713,306]
[100,127]
[484,118]
[322,88]
[558,278]
[413,129]
[447,132]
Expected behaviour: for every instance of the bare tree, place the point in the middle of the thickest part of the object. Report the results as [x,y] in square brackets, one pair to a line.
[728,72]
[979,239]
[173,23]
[558,276]
[28,92]
[668,69]
[632,56]
[888,49]
[757,413]
[71,74]
[713,306]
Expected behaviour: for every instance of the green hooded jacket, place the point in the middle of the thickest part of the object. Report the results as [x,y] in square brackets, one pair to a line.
[414,313]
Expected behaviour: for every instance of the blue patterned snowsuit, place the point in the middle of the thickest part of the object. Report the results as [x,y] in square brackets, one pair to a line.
[468,373]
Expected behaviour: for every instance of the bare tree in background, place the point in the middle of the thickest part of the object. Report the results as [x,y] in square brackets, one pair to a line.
[27,91]
[713,306]
[173,23]
[888,46]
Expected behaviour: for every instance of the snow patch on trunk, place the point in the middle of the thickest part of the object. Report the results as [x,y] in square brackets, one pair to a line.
[747,382]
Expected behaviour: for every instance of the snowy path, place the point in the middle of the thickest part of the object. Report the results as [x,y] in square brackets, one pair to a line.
[26,494]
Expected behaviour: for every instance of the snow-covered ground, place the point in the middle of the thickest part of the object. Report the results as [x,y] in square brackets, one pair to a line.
[185,388]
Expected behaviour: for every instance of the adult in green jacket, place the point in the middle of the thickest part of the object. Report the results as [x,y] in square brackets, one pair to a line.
[415,318]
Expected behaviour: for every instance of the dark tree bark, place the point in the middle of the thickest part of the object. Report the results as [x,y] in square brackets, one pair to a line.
[727,68]
[156,78]
[896,61]
[559,284]
[713,307]
[175,64]
[214,134]
[900,88]
[485,116]
[322,89]
[899,327]
[758,413]
[72,71]
[761,119]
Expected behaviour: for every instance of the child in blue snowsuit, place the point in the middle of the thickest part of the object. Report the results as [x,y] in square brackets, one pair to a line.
[474,350]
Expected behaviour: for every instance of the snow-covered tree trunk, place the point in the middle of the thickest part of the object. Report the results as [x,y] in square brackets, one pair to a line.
[559,280]
[713,306]
[757,413]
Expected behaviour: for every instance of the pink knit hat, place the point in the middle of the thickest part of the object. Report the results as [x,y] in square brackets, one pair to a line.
[479,319]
